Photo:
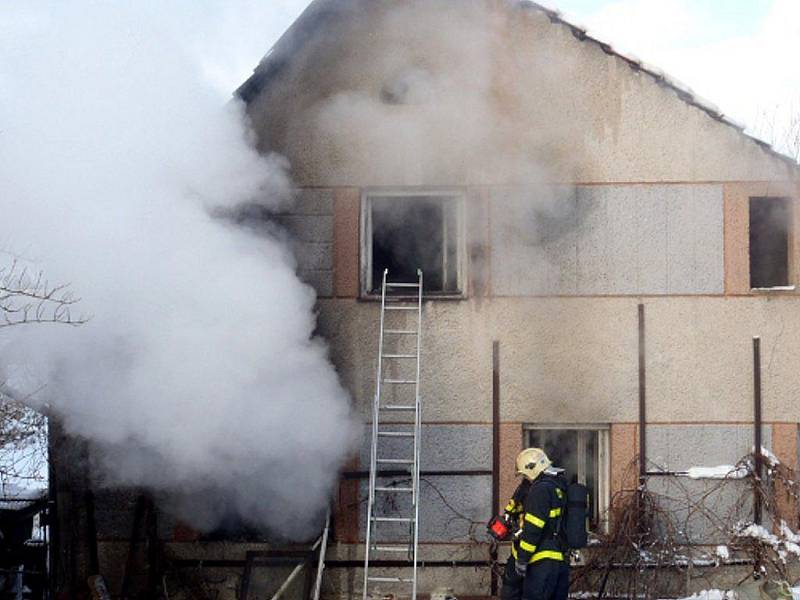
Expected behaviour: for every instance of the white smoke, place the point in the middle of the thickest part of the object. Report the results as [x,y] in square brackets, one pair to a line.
[198,374]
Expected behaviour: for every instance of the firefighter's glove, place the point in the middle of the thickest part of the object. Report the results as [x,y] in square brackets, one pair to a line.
[521,568]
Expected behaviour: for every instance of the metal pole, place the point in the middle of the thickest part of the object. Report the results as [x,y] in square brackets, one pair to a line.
[757,500]
[495,448]
[642,399]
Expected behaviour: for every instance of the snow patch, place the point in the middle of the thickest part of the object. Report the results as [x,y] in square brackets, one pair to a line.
[785,544]
[712,594]
[719,472]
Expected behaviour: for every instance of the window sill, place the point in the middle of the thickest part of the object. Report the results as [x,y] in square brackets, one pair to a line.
[425,297]
[774,290]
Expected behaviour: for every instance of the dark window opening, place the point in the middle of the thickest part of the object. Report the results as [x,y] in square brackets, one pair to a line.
[579,453]
[408,233]
[769,242]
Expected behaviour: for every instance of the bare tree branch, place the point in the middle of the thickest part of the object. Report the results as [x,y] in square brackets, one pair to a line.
[780,127]
[27,298]
[690,528]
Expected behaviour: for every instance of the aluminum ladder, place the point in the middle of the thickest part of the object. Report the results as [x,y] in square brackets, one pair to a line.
[396,446]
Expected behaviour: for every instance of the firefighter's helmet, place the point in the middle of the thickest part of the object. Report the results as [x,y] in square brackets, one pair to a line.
[532,462]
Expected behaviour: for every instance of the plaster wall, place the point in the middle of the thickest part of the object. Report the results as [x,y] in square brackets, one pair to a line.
[456,447]
[432,92]
[574,360]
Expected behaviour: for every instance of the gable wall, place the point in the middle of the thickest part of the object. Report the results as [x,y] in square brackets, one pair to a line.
[497,95]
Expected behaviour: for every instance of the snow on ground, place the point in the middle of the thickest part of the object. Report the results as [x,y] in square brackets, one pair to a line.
[713,594]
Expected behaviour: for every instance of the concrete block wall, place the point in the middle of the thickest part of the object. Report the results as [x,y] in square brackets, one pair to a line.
[677,448]
[702,508]
[449,503]
[607,240]
[310,223]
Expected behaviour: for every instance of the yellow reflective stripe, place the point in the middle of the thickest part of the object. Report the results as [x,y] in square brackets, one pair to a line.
[534,520]
[556,512]
[536,556]
[551,554]
[511,506]
[559,493]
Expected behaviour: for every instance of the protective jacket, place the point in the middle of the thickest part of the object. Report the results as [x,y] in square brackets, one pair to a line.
[515,508]
[544,505]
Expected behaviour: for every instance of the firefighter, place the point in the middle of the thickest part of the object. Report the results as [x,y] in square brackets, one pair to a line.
[515,508]
[538,568]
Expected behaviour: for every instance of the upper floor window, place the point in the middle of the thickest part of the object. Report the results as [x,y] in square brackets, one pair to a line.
[770,220]
[403,232]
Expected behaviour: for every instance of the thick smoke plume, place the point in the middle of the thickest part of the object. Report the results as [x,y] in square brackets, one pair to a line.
[198,374]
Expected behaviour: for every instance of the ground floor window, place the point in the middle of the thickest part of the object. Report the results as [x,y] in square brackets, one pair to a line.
[406,231]
[583,452]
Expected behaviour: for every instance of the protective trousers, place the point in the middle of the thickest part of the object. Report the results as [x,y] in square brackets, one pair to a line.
[544,580]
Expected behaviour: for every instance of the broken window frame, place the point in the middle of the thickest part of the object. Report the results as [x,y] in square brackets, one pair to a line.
[368,288]
[602,498]
[790,284]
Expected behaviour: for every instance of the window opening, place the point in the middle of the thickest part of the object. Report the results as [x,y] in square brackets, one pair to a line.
[406,233]
[583,453]
[769,242]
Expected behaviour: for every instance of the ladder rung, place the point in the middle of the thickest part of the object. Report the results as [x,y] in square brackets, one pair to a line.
[401,308]
[402,285]
[395,461]
[404,434]
[401,331]
[403,549]
[400,381]
[390,579]
[398,408]
[402,490]
[399,356]
[393,519]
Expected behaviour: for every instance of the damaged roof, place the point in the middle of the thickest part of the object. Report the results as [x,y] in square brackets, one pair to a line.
[316,15]
[310,21]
